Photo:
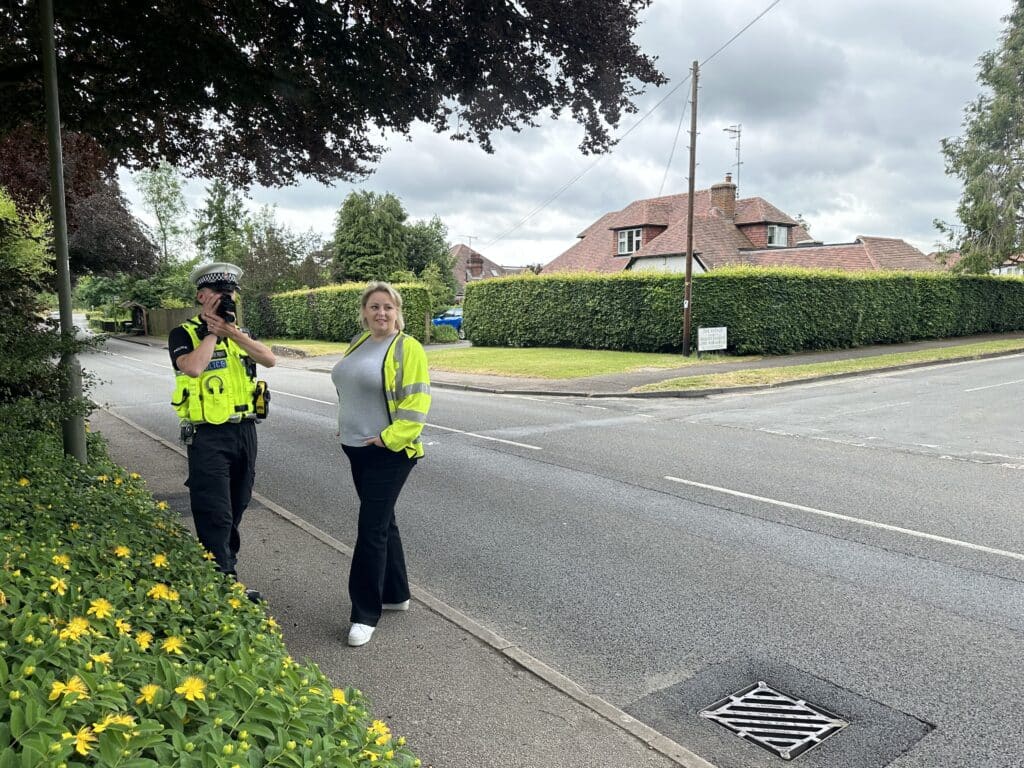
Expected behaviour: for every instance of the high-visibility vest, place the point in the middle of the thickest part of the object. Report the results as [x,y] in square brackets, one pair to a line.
[406,384]
[221,393]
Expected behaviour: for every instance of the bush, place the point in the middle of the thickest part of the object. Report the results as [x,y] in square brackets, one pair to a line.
[767,311]
[443,334]
[330,313]
[122,646]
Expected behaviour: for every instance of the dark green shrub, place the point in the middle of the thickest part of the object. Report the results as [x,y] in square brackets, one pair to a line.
[767,311]
[443,334]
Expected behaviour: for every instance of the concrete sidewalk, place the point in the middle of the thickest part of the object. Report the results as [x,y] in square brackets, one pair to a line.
[461,695]
[623,384]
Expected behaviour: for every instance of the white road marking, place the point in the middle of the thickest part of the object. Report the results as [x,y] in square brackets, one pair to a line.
[435,426]
[993,386]
[857,520]
[486,437]
[996,455]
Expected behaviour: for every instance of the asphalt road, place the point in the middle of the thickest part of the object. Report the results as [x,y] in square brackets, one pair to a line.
[856,542]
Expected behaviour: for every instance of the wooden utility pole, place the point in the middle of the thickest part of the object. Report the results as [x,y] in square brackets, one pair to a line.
[688,292]
[73,428]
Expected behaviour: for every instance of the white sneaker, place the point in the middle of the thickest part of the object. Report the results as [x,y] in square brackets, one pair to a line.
[360,634]
[402,606]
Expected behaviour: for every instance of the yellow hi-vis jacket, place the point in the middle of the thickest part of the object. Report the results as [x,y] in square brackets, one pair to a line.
[407,392]
[223,392]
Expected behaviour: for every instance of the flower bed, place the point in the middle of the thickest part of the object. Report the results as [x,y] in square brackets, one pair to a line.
[120,644]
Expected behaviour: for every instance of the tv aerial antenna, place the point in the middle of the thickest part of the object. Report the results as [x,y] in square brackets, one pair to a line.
[736,131]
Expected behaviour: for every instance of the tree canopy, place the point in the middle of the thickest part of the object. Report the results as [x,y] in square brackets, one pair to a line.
[269,90]
[369,237]
[987,158]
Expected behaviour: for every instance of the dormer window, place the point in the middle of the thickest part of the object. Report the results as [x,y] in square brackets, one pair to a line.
[778,236]
[629,240]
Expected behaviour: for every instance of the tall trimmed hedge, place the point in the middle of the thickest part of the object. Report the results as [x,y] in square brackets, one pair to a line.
[330,313]
[767,311]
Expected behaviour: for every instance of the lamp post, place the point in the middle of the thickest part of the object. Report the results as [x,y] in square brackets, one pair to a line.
[73,427]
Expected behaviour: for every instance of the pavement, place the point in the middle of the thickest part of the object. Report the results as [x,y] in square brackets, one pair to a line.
[462,695]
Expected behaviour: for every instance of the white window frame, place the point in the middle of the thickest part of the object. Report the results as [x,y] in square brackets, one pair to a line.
[628,238]
[778,236]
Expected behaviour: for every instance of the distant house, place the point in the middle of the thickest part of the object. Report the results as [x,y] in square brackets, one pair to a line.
[652,234]
[949,259]
[471,266]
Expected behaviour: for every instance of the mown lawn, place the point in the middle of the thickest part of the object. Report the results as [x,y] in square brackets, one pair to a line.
[767,376]
[556,363]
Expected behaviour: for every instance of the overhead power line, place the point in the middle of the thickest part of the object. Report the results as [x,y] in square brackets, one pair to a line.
[557,193]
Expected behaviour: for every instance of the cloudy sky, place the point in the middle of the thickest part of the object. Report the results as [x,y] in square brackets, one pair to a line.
[841,104]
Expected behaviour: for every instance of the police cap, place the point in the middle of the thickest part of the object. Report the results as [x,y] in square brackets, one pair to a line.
[219,275]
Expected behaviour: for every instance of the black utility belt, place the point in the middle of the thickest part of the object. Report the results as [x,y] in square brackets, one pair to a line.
[232,420]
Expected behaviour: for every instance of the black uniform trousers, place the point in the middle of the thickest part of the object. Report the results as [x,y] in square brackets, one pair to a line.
[378,572]
[221,470]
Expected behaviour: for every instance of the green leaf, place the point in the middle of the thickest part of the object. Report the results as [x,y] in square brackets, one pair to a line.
[17,721]
[4,670]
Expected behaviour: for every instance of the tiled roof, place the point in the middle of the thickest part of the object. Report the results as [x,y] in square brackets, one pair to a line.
[716,238]
[719,241]
[462,254]
[866,253]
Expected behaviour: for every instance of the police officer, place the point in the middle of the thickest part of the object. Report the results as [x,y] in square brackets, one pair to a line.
[215,396]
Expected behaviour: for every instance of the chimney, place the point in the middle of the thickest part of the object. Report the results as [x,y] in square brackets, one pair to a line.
[723,197]
[475,265]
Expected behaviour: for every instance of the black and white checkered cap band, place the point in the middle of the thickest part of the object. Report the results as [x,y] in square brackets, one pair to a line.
[216,277]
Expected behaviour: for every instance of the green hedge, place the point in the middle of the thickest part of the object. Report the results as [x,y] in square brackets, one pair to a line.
[120,645]
[330,313]
[767,311]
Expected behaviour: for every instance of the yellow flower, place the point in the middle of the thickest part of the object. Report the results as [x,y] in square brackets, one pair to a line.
[28,671]
[101,658]
[63,561]
[234,602]
[74,685]
[380,741]
[208,556]
[84,739]
[75,526]
[122,551]
[122,626]
[192,688]
[389,754]
[3,598]
[58,585]
[135,476]
[144,639]
[100,608]
[371,756]
[118,481]
[379,728]
[173,644]
[338,697]
[109,720]
[271,623]
[77,627]
[160,560]
[147,693]
[23,482]
[161,505]
[162,592]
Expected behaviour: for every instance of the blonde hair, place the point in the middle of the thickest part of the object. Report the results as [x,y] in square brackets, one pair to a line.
[395,296]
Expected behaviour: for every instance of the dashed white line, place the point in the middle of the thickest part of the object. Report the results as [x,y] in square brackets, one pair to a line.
[857,520]
[993,386]
[435,426]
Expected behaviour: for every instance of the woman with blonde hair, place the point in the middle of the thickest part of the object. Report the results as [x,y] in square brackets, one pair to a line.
[383,397]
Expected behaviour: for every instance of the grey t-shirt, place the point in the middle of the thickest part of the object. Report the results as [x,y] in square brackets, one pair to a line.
[359,380]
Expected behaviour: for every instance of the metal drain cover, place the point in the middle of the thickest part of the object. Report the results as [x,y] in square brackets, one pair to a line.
[785,726]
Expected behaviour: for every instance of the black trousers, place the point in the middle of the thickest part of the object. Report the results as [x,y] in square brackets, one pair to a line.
[378,572]
[221,470]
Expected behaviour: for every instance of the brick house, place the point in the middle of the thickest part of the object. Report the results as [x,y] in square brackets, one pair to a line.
[470,266]
[652,234]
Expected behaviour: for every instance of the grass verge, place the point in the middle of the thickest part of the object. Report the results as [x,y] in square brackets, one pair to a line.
[557,363]
[780,374]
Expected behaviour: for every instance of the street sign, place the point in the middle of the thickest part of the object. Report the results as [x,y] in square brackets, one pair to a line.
[709,339]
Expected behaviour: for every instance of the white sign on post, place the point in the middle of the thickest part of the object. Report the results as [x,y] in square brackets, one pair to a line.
[709,339]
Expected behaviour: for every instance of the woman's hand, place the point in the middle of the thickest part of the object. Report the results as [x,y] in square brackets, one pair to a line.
[375,440]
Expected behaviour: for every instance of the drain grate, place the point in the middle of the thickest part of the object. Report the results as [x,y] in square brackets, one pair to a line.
[785,726]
